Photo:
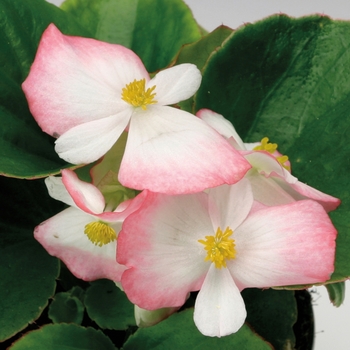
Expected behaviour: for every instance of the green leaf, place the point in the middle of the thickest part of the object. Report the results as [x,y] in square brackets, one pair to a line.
[272,314]
[154,29]
[180,332]
[27,272]
[199,52]
[336,293]
[67,307]
[108,306]
[64,336]
[25,151]
[288,79]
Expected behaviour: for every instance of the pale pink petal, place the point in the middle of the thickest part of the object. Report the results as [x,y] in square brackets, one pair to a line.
[176,84]
[88,142]
[148,318]
[159,244]
[85,195]
[171,151]
[74,80]
[63,236]
[229,205]
[219,308]
[284,245]
[222,126]
[58,191]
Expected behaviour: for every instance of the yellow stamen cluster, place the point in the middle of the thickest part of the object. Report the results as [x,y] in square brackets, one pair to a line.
[136,94]
[219,247]
[272,148]
[100,233]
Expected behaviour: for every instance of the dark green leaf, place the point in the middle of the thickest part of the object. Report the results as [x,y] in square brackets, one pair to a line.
[25,151]
[108,306]
[154,29]
[272,314]
[27,272]
[64,337]
[180,332]
[67,307]
[288,79]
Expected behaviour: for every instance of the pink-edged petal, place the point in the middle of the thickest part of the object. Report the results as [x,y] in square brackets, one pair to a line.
[303,191]
[159,244]
[229,205]
[148,318]
[74,80]
[63,236]
[176,84]
[58,191]
[219,308]
[85,195]
[222,126]
[284,245]
[171,151]
[88,142]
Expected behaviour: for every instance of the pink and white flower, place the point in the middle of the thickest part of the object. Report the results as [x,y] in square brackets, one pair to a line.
[219,242]
[87,92]
[271,180]
[84,236]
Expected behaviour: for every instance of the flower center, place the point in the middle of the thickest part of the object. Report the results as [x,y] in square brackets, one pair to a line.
[219,247]
[100,233]
[136,95]
[272,148]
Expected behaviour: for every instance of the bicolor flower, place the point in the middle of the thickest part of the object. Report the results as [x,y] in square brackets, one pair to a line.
[219,242]
[270,176]
[87,92]
[84,236]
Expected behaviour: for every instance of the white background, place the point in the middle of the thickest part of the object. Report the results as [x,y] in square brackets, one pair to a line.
[332,324]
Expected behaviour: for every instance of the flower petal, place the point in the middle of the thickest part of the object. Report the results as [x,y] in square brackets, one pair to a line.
[222,126]
[284,245]
[229,205]
[74,80]
[219,308]
[85,195]
[171,151]
[88,142]
[63,236]
[176,84]
[159,244]
[58,191]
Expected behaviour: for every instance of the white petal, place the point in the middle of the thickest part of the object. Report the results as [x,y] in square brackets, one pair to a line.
[176,84]
[219,308]
[58,191]
[88,142]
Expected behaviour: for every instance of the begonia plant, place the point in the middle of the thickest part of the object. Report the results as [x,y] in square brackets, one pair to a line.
[165,187]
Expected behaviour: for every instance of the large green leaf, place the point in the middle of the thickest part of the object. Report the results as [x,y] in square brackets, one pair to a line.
[289,79]
[62,337]
[154,29]
[27,272]
[25,151]
[180,332]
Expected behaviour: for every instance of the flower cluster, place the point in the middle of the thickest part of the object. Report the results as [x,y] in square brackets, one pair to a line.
[212,213]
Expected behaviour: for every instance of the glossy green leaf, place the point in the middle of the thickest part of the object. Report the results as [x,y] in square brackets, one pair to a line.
[108,306]
[67,307]
[336,293]
[25,151]
[64,337]
[28,273]
[272,314]
[180,332]
[154,29]
[288,79]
